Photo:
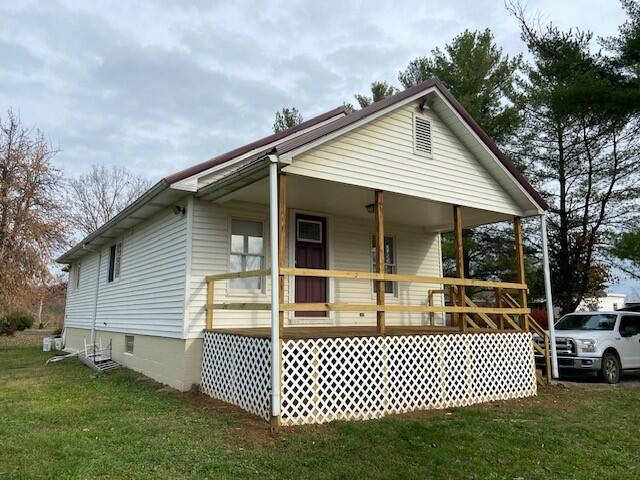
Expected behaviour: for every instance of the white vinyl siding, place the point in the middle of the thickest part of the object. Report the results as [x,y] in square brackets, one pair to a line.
[149,296]
[79,306]
[349,242]
[380,155]
[417,253]
[210,255]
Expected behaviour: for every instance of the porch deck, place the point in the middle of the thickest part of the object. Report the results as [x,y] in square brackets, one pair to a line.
[299,333]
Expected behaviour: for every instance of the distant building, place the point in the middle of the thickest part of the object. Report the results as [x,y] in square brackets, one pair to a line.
[608,302]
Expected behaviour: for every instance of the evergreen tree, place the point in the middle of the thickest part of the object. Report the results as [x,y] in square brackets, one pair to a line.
[479,75]
[286,118]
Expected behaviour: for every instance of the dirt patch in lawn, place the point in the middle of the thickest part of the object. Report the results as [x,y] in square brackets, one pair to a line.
[23,339]
[248,429]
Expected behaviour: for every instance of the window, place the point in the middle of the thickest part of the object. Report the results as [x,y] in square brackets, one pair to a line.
[389,262]
[309,230]
[128,343]
[421,135]
[76,274]
[247,252]
[115,259]
[586,321]
[630,321]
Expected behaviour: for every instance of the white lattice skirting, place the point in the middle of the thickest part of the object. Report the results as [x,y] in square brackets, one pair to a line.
[368,377]
[237,369]
[361,378]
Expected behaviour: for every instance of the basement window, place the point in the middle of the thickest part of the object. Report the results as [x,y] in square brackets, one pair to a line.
[421,135]
[128,344]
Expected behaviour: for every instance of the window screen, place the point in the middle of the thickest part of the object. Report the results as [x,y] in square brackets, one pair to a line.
[247,252]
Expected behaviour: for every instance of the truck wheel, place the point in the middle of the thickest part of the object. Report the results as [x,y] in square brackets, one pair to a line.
[611,369]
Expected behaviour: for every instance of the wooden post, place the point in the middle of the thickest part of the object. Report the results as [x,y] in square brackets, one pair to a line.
[459,250]
[498,292]
[380,258]
[517,230]
[282,238]
[210,287]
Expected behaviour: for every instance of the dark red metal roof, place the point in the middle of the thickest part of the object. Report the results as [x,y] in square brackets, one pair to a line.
[351,118]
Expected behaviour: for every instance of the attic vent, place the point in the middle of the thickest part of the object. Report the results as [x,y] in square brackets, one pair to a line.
[421,135]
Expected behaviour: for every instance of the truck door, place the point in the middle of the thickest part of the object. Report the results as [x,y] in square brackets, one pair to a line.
[630,351]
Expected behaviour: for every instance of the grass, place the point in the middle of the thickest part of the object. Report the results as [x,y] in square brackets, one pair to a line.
[62,421]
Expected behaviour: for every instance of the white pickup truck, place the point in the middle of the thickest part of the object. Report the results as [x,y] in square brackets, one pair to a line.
[606,343]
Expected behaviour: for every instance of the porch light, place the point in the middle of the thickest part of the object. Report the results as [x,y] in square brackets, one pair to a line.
[424,106]
[370,208]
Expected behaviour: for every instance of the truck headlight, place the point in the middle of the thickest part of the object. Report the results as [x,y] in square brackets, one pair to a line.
[587,345]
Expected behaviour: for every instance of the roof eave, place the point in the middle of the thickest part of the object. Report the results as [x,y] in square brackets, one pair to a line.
[146,197]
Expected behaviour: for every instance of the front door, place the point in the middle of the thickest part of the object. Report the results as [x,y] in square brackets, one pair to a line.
[311,252]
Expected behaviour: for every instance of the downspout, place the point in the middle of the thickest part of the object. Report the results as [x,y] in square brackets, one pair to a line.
[547,291]
[96,292]
[275,301]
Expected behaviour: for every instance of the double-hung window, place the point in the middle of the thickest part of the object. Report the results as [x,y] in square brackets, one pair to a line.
[115,260]
[389,262]
[247,252]
[76,274]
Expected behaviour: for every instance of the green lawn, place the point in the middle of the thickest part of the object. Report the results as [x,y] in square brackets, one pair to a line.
[61,421]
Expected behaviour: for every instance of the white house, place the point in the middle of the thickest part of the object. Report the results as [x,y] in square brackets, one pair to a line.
[605,303]
[180,281]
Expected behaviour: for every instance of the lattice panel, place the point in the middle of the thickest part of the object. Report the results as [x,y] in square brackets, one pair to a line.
[237,369]
[367,377]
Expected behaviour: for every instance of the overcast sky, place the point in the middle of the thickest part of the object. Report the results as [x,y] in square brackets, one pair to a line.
[158,86]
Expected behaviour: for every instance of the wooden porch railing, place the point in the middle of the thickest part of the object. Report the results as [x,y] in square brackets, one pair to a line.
[506,315]
[466,309]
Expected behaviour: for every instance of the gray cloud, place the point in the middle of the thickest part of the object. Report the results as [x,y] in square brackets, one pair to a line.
[157,86]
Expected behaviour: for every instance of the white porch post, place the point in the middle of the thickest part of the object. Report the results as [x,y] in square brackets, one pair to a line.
[275,301]
[547,291]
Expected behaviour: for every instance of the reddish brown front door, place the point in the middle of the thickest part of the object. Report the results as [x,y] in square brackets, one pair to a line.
[311,252]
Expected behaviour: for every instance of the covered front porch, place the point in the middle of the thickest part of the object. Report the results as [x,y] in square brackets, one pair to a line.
[364,342]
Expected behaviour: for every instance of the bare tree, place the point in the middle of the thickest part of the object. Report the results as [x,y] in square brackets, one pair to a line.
[99,195]
[32,220]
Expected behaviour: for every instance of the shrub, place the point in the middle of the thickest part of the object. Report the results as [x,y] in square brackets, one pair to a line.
[21,320]
[7,328]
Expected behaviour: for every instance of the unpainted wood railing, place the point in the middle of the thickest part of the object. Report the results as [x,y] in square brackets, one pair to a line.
[368,307]
[508,315]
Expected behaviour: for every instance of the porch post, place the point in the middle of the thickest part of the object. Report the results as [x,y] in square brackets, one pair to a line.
[380,285]
[282,236]
[275,300]
[547,293]
[459,251]
[517,230]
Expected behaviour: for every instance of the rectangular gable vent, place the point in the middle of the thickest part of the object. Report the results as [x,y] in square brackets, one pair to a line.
[421,135]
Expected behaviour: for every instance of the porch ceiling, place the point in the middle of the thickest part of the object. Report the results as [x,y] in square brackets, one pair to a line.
[320,196]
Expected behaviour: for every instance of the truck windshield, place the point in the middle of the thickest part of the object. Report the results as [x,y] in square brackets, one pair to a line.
[587,321]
